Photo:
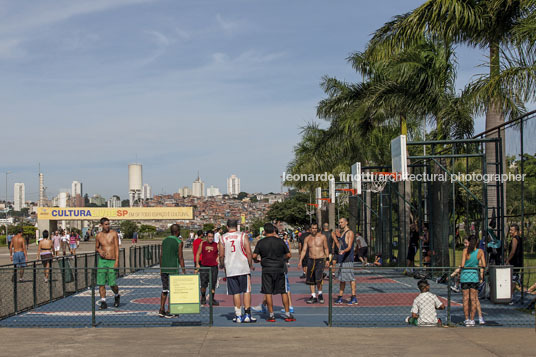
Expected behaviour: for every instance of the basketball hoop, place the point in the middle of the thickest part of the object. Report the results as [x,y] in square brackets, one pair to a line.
[377,181]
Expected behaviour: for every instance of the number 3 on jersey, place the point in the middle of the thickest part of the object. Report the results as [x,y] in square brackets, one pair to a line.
[233,249]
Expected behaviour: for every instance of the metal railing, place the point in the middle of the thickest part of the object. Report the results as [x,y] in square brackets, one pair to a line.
[140,297]
[385,297]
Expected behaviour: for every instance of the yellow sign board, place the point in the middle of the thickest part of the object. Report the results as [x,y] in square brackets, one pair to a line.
[243,218]
[120,213]
[184,294]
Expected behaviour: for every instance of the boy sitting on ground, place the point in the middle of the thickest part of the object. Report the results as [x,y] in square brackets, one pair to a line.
[423,311]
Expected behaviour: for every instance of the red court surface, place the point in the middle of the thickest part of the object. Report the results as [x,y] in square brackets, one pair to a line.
[256,279]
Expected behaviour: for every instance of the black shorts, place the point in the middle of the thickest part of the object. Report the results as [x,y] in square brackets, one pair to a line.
[205,277]
[466,286]
[273,283]
[238,284]
[362,252]
[315,271]
[412,250]
[165,282]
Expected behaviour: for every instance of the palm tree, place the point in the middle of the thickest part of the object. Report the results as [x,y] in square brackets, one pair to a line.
[501,27]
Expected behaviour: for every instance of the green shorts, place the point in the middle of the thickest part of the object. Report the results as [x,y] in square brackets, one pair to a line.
[106,272]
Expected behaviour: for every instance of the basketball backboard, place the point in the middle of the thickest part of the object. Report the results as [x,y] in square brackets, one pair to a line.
[356,177]
[399,157]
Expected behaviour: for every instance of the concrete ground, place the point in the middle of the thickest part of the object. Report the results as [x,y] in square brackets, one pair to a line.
[294,341]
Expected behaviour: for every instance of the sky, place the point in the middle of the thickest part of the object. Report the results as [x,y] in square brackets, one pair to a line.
[215,87]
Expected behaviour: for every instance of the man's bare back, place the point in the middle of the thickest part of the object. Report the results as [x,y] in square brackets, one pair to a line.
[18,243]
[317,246]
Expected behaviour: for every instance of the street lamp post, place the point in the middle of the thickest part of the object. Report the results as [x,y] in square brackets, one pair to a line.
[5,206]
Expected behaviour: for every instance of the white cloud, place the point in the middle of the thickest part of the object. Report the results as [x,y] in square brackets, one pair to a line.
[10,49]
[226,25]
[49,13]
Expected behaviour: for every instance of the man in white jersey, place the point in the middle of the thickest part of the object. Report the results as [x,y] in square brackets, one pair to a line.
[236,258]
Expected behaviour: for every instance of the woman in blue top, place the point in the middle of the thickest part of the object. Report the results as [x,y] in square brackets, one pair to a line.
[472,259]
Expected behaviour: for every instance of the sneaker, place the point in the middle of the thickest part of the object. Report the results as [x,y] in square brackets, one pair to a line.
[103,305]
[237,319]
[312,300]
[203,300]
[455,289]
[260,308]
[481,321]
[339,300]
[289,318]
[320,299]
[469,323]
[161,313]
[290,309]
[117,300]
[215,303]
[248,319]
[270,319]
[407,319]
[169,316]
[353,301]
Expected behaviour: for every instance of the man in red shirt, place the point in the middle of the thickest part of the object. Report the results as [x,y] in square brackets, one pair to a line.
[207,257]
[195,246]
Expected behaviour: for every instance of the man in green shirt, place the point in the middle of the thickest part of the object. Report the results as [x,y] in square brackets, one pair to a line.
[170,258]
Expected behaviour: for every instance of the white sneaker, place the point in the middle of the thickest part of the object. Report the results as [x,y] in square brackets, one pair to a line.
[481,321]
[237,319]
[472,322]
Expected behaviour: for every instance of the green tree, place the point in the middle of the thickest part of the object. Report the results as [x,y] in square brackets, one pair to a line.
[292,210]
[241,196]
[128,228]
[208,227]
[504,27]
[125,203]
[145,228]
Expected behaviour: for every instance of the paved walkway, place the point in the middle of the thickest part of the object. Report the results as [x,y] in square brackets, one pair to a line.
[264,341]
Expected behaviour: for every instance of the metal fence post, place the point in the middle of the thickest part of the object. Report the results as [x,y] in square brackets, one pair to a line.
[330,299]
[15,281]
[449,278]
[34,287]
[210,317]
[63,276]
[75,273]
[85,272]
[93,320]
[50,276]
[124,262]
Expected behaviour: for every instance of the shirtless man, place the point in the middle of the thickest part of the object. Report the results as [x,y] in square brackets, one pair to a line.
[18,252]
[345,244]
[316,246]
[107,246]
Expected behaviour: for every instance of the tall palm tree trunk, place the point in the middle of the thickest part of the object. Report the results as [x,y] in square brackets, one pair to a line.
[494,117]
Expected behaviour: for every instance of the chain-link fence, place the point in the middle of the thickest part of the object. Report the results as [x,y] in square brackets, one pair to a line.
[139,301]
[389,297]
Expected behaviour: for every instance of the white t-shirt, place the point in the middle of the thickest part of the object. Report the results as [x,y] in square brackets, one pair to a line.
[65,238]
[425,306]
[217,236]
[236,261]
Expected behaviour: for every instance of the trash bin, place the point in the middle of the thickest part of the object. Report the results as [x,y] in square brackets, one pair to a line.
[500,283]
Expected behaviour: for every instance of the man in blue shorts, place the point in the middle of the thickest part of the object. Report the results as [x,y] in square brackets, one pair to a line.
[18,252]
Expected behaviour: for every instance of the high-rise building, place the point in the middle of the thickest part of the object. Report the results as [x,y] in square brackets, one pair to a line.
[42,197]
[213,191]
[114,202]
[76,188]
[19,197]
[185,191]
[135,179]
[146,193]
[233,185]
[97,199]
[198,188]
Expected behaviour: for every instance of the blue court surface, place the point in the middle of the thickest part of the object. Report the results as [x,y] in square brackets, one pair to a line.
[384,298]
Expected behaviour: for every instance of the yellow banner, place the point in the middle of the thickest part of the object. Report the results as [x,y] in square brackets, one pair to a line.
[122,213]
[183,289]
